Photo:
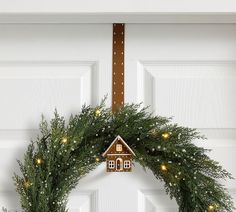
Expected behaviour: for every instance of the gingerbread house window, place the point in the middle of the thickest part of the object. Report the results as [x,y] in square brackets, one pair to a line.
[111,164]
[127,164]
[118,147]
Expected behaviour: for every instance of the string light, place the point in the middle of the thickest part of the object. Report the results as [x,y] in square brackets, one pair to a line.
[97,159]
[64,140]
[153,132]
[211,208]
[39,161]
[27,184]
[98,112]
[163,167]
[165,135]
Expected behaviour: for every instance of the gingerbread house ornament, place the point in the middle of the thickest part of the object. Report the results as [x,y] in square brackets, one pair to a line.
[119,156]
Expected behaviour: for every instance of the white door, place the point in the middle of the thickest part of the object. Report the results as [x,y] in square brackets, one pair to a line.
[185,71]
[43,66]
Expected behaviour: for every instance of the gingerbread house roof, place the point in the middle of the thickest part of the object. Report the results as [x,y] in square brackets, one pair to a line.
[122,141]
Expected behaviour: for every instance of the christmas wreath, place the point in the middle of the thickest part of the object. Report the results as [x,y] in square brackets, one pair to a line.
[64,153]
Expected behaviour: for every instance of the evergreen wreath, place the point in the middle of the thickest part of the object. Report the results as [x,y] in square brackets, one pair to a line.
[64,153]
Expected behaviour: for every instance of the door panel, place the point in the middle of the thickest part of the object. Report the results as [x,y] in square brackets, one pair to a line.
[186,71]
[39,86]
[136,191]
[43,67]
[190,90]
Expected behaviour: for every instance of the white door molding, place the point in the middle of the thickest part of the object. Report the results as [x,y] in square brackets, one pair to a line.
[116,17]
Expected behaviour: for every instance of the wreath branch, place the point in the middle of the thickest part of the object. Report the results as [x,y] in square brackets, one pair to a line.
[64,153]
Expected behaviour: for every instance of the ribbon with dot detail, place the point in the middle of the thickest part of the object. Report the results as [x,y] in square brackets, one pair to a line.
[118,66]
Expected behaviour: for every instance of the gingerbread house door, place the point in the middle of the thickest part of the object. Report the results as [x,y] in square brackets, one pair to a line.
[181,70]
[119,164]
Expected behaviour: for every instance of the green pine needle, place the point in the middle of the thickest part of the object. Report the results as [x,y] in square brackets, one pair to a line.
[60,157]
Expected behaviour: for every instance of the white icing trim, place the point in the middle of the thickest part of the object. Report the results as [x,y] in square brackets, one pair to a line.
[119,154]
[121,139]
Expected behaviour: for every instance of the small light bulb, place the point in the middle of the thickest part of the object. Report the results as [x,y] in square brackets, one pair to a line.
[211,208]
[165,135]
[64,140]
[153,131]
[27,184]
[97,159]
[98,112]
[163,167]
[39,161]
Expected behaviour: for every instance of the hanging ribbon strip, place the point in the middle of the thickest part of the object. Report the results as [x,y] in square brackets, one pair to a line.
[118,66]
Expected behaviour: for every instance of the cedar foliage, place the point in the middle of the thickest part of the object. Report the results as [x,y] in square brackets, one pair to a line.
[67,152]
